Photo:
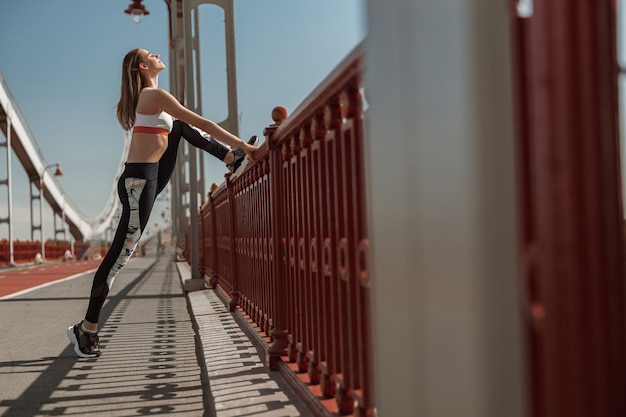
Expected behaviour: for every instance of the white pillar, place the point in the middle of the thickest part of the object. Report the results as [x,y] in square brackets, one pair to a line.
[441,192]
[43,242]
[193,101]
[10,194]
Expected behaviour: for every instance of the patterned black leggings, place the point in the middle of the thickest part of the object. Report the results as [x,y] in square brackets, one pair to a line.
[137,188]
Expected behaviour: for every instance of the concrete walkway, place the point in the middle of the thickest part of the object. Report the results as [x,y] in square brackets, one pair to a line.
[240,383]
[164,352]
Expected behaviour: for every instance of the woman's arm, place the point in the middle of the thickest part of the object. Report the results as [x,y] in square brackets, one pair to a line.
[168,103]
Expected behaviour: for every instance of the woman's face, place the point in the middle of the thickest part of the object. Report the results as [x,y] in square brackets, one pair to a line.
[152,61]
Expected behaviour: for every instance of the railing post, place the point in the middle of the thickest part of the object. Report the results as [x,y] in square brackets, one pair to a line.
[320,351]
[232,213]
[213,255]
[278,332]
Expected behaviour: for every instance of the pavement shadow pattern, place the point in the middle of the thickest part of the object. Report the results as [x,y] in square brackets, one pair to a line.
[240,384]
[149,364]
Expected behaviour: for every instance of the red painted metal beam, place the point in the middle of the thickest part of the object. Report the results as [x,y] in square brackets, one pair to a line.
[571,219]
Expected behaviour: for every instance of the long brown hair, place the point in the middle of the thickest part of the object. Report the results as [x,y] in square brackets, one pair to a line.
[131,87]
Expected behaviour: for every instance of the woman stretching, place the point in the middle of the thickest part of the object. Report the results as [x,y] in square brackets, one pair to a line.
[151,159]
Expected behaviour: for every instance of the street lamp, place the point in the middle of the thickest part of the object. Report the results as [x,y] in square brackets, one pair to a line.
[136,10]
[57,173]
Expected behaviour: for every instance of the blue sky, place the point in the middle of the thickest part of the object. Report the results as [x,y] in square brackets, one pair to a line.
[61,60]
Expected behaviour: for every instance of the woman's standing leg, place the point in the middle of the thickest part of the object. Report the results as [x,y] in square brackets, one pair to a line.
[137,192]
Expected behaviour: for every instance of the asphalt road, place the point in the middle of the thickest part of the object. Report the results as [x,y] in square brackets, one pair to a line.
[149,364]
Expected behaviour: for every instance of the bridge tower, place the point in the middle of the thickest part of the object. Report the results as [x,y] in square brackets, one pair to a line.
[185,84]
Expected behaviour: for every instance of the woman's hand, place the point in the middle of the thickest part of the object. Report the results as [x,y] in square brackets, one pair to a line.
[250,151]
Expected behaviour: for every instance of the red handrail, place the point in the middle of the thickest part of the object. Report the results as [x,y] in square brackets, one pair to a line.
[287,240]
[25,251]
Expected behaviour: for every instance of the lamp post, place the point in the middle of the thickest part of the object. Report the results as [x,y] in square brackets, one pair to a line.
[57,173]
[137,10]
[184,83]
[8,182]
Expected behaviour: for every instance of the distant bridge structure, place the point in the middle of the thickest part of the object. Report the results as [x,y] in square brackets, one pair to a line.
[19,139]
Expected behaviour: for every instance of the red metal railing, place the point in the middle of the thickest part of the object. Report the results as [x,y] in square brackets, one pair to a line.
[288,240]
[25,251]
[571,234]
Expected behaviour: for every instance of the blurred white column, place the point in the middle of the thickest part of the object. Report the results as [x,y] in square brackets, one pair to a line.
[441,195]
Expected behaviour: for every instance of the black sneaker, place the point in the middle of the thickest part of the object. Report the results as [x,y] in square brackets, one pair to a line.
[86,345]
[240,155]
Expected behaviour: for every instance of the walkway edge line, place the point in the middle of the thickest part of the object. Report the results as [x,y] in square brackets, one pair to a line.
[15,294]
